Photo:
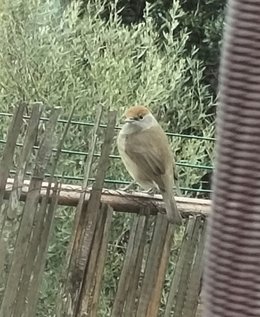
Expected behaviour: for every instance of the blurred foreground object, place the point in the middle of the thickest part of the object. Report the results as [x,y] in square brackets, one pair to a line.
[232,271]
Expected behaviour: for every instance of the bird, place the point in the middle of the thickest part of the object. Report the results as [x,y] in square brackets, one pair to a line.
[145,151]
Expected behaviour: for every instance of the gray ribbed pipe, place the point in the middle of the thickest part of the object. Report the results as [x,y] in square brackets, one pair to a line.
[232,256]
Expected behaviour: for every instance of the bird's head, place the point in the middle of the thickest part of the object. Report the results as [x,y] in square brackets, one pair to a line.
[139,118]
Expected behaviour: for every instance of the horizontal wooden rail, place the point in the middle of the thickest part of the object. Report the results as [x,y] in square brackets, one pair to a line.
[120,201]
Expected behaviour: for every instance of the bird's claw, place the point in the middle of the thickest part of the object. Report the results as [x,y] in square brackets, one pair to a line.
[151,191]
[126,188]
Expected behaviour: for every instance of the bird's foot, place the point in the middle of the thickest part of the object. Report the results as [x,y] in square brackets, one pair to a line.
[151,191]
[127,187]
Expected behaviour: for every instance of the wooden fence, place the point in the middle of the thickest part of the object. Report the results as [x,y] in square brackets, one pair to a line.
[142,281]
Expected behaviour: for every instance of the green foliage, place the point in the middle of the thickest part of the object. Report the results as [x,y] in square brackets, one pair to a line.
[48,54]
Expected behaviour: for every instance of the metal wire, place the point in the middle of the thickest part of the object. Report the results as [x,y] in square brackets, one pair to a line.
[110,181]
[82,153]
[91,124]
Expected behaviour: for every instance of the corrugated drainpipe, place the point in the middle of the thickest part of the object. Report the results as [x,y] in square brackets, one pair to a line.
[231,285]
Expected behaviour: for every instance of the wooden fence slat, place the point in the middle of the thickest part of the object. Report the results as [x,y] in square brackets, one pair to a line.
[186,270]
[39,264]
[136,236]
[101,263]
[7,157]
[91,150]
[30,208]
[86,238]
[191,302]
[156,296]
[28,294]
[70,295]
[86,234]
[37,249]
[152,265]
[90,273]
[178,269]
[134,290]
[127,268]
[22,298]
[81,200]
[95,196]
[13,203]
[23,159]
[42,230]
[64,300]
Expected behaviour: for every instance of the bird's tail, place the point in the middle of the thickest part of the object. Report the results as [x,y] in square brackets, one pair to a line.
[172,212]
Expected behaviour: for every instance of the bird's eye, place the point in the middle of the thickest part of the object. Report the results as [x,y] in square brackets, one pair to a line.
[141,117]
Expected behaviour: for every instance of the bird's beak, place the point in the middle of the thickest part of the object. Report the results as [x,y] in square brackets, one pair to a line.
[129,120]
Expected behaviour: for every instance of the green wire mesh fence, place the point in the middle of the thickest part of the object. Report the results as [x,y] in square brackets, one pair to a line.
[194,176]
[88,257]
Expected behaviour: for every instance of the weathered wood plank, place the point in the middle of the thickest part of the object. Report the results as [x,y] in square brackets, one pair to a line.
[155,301]
[134,289]
[186,270]
[187,239]
[26,225]
[152,266]
[7,157]
[93,309]
[41,234]
[23,159]
[86,239]
[82,189]
[27,295]
[90,275]
[85,231]
[5,164]
[194,285]
[122,201]
[64,300]
[136,236]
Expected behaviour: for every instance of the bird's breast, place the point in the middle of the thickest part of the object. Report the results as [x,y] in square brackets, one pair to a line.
[129,164]
[121,141]
[133,169]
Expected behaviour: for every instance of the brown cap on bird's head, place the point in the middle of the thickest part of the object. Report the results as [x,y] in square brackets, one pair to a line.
[136,111]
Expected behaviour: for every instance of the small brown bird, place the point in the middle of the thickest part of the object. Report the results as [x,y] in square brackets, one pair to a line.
[146,154]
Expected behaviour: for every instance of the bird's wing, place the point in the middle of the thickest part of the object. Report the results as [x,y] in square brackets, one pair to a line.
[141,149]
